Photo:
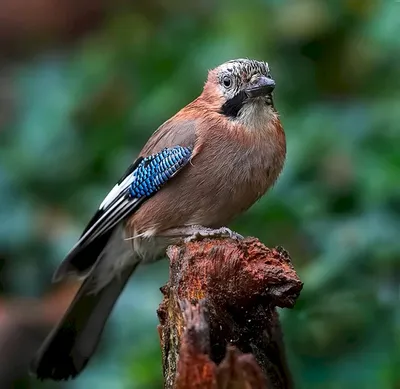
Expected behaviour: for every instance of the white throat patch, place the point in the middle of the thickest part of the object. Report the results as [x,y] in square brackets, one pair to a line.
[255,114]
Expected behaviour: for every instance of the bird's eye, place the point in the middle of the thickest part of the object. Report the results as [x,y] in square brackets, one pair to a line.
[227,81]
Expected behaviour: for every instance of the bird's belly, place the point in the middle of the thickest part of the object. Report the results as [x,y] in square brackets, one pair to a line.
[223,205]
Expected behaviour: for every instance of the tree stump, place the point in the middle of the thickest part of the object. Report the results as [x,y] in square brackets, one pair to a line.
[219,327]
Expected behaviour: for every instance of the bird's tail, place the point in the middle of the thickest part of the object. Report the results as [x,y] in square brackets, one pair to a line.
[68,348]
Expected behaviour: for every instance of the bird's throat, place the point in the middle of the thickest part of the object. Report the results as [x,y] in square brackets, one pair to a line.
[252,113]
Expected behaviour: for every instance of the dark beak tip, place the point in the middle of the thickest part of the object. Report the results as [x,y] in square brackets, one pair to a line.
[268,83]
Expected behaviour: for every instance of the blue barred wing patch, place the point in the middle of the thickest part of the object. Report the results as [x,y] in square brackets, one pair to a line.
[155,170]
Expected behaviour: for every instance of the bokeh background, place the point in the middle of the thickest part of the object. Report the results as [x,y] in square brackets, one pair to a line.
[83,84]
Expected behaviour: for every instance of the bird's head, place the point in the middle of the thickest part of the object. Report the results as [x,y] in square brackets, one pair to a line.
[241,89]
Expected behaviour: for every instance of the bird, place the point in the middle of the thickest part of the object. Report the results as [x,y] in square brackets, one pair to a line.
[198,171]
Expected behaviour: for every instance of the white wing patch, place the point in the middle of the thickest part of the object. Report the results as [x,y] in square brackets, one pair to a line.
[114,192]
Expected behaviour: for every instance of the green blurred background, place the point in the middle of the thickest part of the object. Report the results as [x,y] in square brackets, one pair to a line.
[82,87]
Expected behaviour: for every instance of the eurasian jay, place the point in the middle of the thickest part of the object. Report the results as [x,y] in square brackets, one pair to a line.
[199,170]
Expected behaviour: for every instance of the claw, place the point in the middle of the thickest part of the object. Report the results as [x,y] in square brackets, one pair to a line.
[203,233]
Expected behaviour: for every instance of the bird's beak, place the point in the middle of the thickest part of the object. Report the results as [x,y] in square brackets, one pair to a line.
[260,86]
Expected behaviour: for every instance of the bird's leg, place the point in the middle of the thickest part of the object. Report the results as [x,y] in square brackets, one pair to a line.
[197,232]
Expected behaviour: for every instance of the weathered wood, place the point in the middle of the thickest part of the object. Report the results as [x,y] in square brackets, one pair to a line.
[219,303]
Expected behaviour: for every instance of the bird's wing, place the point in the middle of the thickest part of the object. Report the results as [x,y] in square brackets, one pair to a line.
[141,181]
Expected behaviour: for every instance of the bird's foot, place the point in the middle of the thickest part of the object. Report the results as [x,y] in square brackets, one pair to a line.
[200,233]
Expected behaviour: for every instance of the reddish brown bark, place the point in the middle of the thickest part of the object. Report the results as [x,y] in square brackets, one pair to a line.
[218,322]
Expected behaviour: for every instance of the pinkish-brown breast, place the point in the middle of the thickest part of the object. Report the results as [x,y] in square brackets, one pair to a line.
[232,168]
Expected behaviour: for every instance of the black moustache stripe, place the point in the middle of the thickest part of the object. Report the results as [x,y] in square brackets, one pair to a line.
[232,106]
